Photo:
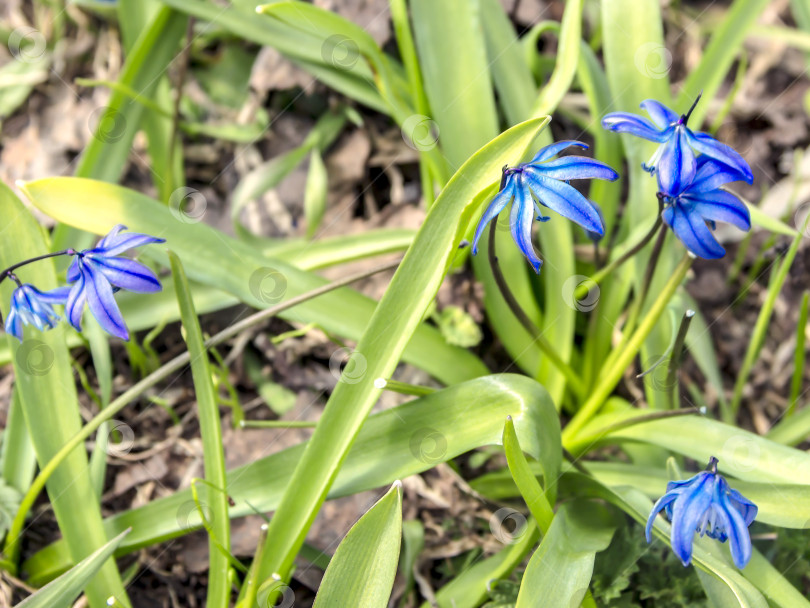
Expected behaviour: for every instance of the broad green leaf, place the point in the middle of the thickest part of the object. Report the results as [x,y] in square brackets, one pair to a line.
[47,393]
[61,592]
[392,444]
[560,570]
[413,541]
[215,259]
[741,453]
[216,494]
[19,77]
[773,585]
[361,573]
[392,326]
[452,54]
[512,76]
[10,498]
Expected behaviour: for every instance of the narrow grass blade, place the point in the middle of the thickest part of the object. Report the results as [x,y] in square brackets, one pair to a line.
[17,453]
[61,592]
[211,431]
[315,193]
[361,573]
[536,499]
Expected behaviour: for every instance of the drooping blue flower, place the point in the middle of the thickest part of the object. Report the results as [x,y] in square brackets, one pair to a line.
[30,306]
[674,161]
[706,504]
[546,181]
[702,201]
[100,272]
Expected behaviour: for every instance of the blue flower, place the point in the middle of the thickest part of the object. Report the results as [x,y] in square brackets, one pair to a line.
[702,201]
[30,306]
[99,272]
[546,181]
[675,161]
[706,504]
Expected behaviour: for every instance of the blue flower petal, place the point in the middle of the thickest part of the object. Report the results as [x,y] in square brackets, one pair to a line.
[721,206]
[75,302]
[495,207]
[555,148]
[521,223]
[661,115]
[734,526]
[14,324]
[102,304]
[693,232]
[677,165]
[576,167]
[687,513]
[126,274]
[624,122]
[747,509]
[708,145]
[54,296]
[112,234]
[564,199]
[662,502]
[121,243]
[73,270]
[710,175]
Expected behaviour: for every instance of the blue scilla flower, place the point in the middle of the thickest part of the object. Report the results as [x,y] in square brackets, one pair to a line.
[702,201]
[706,504]
[30,306]
[675,160]
[546,181]
[100,272]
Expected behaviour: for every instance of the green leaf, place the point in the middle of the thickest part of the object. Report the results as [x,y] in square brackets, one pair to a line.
[452,54]
[44,381]
[61,592]
[216,493]
[741,453]
[560,570]
[17,452]
[538,501]
[772,224]
[315,193]
[10,498]
[395,320]
[392,444]
[361,573]
[215,259]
